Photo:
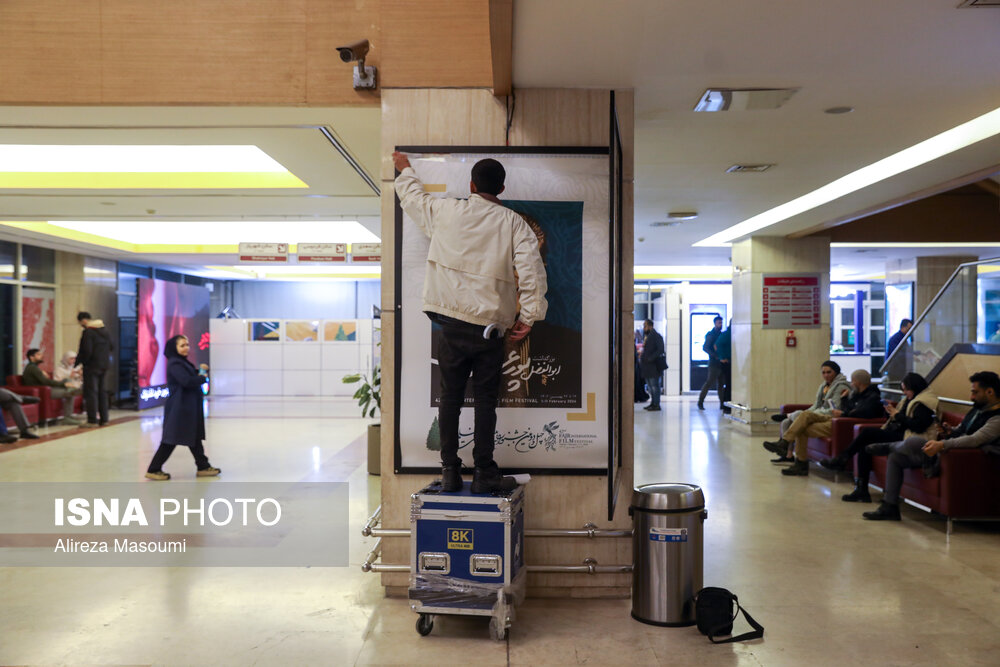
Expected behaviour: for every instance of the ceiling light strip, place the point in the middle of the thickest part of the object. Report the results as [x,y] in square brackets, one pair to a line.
[949,141]
[146,180]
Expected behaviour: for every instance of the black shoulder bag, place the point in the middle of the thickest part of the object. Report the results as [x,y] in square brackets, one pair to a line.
[716,609]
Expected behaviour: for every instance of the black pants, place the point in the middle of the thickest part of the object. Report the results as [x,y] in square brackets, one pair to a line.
[165,450]
[463,351]
[726,383]
[715,380]
[868,436]
[94,395]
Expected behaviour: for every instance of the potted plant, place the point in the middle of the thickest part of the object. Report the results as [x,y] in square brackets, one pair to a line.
[369,397]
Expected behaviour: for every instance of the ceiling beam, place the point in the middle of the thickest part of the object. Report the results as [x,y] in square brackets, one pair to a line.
[958,182]
[501,45]
[990,186]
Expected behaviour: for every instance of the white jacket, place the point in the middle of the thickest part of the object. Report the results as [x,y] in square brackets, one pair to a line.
[476,246]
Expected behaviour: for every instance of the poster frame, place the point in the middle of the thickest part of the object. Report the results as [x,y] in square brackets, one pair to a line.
[614,269]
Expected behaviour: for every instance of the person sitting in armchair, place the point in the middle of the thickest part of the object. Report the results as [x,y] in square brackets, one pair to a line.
[862,401]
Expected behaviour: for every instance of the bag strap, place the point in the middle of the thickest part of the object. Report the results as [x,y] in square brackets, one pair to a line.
[757,633]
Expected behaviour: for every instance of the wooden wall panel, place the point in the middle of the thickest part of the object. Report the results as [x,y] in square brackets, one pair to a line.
[436,44]
[50,51]
[543,118]
[222,52]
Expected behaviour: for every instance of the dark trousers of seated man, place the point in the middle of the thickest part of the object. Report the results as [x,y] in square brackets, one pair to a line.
[908,454]
[869,435]
[11,402]
[462,351]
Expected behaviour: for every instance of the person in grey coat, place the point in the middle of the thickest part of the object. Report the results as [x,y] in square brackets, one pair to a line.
[184,412]
[652,350]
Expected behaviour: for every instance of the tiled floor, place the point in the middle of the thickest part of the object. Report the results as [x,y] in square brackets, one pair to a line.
[830,588]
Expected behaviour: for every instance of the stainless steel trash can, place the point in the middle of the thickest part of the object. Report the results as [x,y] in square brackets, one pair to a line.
[668,550]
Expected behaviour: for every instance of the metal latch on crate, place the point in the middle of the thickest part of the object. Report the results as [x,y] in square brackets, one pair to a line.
[485,565]
[438,563]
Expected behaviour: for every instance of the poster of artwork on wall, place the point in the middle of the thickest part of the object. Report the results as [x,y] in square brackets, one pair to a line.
[302,331]
[38,325]
[336,331]
[552,412]
[264,331]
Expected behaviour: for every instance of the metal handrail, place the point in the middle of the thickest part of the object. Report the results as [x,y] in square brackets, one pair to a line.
[941,399]
[930,306]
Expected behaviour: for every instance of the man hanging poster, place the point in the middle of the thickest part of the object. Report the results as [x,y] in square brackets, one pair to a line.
[552,411]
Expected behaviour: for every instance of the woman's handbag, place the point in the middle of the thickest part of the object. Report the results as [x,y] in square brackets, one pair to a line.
[716,609]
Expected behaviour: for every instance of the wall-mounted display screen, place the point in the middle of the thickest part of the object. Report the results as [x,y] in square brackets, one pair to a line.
[898,305]
[165,310]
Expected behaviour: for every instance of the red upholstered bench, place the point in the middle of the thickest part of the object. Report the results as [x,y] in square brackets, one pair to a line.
[842,433]
[49,409]
[965,489]
[30,411]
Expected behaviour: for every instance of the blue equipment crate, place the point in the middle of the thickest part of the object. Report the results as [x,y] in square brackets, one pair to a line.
[467,553]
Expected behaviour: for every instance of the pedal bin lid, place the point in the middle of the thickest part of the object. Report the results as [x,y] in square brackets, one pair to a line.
[668,497]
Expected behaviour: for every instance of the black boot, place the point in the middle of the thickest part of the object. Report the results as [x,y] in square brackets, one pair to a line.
[797,469]
[885,512]
[451,478]
[836,464]
[779,447]
[859,494]
[488,480]
[701,406]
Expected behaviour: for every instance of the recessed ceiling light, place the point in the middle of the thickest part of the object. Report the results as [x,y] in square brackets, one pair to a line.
[682,215]
[743,99]
[838,110]
[949,141]
[664,223]
[748,168]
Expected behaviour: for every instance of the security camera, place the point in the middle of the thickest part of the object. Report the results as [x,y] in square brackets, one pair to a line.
[364,76]
[356,51]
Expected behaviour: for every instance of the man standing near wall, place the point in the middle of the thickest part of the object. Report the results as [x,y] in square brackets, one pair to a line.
[649,361]
[95,357]
[897,338]
[483,264]
[714,367]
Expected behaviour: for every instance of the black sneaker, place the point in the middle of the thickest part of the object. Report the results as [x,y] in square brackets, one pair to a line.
[834,464]
[779,447]
[490,480]
[7,439]
[860,494]
[885,512]
[779,418]
[451,478]
[797,469]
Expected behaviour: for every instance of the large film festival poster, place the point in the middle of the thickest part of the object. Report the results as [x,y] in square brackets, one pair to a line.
[554,389]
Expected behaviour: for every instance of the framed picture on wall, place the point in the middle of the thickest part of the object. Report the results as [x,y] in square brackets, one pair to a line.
[340,331]
[302,331]
[264,331]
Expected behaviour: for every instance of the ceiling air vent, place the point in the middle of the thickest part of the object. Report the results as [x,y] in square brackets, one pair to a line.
[665,223]
[748,168]
[981,4]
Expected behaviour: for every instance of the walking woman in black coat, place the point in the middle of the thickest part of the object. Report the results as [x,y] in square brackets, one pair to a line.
[184,413]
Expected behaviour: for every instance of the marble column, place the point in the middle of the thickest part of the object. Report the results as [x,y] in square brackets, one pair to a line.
[767,373]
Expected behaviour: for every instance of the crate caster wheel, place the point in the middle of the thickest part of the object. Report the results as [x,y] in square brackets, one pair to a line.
[425,623]
[498,631]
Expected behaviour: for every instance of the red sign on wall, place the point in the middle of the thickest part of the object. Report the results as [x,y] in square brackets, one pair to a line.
[791,301]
